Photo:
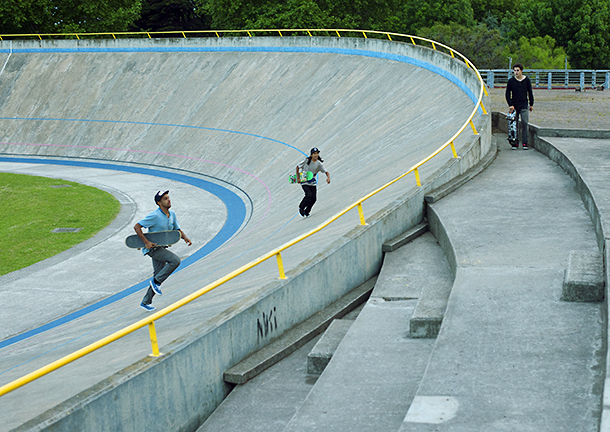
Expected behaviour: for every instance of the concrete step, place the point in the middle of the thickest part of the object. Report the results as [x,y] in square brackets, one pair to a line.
[404,238]
[583,279]
[298,336]
[324,349]
[375,370]
[405,276]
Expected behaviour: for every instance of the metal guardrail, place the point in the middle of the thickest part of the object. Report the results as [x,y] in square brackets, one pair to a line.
[150,320]
[552,78]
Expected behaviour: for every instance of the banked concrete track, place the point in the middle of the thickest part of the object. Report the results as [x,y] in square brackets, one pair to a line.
[234,114]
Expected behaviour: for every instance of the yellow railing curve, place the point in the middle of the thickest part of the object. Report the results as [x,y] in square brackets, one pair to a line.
[150,320]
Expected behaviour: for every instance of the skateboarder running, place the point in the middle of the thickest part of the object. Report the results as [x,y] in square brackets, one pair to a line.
[313,164]
[164,262]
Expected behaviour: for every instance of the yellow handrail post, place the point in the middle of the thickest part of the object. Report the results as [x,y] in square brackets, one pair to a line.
[280,265]
[149,36]
[473,128]
[217,35]
[417,179]
[361,214]
[453,150]
[412,40]
[308,32]
[364,33]
[389,37]
[280,32]
[183,35]
[483,108]
[337,31]
[153,339]
[433,46]
[249,33]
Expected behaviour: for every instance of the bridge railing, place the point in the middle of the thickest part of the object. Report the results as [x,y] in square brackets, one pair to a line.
[277,253]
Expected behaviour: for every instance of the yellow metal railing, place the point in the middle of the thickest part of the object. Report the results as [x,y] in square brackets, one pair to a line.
[150,320]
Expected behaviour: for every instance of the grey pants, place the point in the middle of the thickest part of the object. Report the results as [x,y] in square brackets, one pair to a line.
[164,263]
[524,115]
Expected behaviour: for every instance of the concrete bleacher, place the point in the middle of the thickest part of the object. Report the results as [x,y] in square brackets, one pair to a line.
[232,113]
[511,353]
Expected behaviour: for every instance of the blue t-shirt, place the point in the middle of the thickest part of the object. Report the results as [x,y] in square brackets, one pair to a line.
[158,221]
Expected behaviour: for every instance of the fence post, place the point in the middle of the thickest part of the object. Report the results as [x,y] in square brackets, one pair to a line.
[607,83]
[593,84]
[550,81]
[490,79]
[582,81]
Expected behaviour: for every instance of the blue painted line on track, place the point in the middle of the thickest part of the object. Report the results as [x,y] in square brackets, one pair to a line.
[236,214]
[322,50]
[141,123]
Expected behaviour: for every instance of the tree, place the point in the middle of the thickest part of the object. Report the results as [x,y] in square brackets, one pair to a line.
[582,27]
[488,10]
[536,53]
[67,16]
[479,44]
[167,15]
[417,14]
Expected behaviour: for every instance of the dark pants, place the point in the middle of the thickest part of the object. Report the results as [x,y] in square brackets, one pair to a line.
[524,115]
[308,200]
[164,263]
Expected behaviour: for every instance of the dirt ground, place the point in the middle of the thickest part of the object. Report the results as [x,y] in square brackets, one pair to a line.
[567,109]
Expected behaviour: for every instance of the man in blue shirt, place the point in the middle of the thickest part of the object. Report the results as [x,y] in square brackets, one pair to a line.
[164,261]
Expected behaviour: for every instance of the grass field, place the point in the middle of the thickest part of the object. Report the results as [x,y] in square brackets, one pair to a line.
[35,206]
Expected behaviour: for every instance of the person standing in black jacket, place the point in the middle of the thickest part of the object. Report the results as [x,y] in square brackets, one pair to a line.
[518,90]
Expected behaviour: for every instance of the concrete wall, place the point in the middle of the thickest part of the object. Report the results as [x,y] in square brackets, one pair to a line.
[181,388]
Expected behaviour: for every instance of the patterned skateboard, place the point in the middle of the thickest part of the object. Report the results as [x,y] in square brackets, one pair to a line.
[305,176]
[512,128]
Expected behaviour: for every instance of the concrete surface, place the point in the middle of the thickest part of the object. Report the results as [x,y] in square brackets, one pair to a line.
[510,354]
[584,277]
[320,355]
[213,114]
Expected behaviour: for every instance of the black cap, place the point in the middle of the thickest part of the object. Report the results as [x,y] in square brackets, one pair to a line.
[159,195]
[314,150]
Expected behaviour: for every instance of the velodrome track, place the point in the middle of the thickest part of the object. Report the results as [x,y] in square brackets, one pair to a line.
[231,122]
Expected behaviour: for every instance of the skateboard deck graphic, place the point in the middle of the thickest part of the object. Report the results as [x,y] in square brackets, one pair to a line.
[512,128]
[305,176]
[160,238]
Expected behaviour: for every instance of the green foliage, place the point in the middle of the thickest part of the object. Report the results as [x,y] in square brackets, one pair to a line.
[536,53]
[36,209]
[167,15]
[67,16]
[582,28]
[479,44]
[417,14]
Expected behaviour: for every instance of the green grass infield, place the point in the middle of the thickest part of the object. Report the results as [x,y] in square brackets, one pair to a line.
[35,206]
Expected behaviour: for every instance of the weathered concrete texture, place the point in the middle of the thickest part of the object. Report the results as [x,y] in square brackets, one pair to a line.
[373,374]
[320,355]
[238,112]
[589,170]
[583,280]
[297,336]
[510,355]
